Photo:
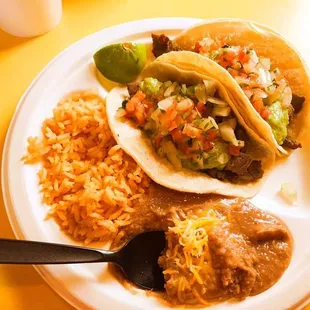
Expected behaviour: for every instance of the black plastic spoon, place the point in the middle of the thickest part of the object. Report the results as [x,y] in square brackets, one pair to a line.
[138,258]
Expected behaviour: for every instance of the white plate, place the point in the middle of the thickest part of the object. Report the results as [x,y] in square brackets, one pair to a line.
[92,286]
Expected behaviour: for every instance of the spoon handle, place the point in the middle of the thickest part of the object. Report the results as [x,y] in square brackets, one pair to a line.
[36,253]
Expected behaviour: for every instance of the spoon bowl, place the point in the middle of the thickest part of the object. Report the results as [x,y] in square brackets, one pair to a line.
[139,260]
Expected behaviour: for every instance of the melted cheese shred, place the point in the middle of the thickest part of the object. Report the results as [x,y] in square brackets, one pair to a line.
[186,261]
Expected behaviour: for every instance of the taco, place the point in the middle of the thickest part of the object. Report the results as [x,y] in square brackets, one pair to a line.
[266,76]
[186,134]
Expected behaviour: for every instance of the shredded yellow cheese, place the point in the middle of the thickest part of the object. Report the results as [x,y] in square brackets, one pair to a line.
[186,262]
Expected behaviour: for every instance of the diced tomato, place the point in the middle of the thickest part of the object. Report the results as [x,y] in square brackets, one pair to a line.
[229,56]
[265,113]
[211,134]
[233,72]
[191,131]
[204,49]
[258,104]
[172,107]
[179,120]
[157,140]
[197,47]
[244,57]
[177,135]
[148,104]
[241,55]
[243,74]
[191,116]
[167,118]
[173,125]
[171,112]
[130,106]
[140,95]
[234,150]
[223,63]
[164,120]
[172,115]
[200,107]
[208,145]
[139,114]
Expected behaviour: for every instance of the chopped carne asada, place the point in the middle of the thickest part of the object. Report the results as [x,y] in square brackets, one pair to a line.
[297,103]
[291,144]
[162,44]
[132,88]
[253,173]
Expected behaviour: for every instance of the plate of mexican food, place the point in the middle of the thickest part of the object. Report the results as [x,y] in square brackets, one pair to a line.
[191,127]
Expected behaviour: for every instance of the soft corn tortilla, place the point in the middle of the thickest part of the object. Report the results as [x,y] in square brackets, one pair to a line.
[139,147]
[267,43]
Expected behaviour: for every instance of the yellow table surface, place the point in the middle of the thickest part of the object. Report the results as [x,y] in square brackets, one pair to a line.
[22,59]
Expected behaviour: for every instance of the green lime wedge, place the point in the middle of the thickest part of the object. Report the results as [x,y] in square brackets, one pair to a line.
[121,63]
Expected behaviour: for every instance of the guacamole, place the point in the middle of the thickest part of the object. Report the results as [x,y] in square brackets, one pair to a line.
[278,121]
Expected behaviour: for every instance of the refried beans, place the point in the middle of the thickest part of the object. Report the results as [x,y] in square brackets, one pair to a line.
[248,249]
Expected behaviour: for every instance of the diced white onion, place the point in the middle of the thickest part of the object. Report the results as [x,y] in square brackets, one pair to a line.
[288,193]
[170,90]
[251,64]
[166,103]
[206,42]
[212,120]
[228,133]
[217,101]
[268,77]
[287,97]
[260,93]
[200,93]
[242,80]
[265,62]
[248,92]
[222,159]
[120,113]
[262,76]
[210,86]
[221,111]
[254,57]
[241,143]
[206,123]
[270,89]
[184,105]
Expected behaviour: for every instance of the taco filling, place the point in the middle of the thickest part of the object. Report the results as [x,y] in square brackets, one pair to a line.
[267,89]
[192,127]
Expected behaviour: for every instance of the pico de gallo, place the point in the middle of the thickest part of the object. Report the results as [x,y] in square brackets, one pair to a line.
[267,89]
[192,127]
